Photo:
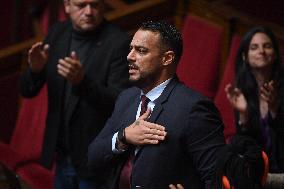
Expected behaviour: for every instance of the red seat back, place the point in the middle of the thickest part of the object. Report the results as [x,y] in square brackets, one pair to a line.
[45,21]
[199,64]
[28,135]
[221,100]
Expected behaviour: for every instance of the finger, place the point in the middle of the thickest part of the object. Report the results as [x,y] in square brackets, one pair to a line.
[65,64]
[154,137]
[150,141]
[171,186]
[63,69]
[154,126]
[264,97]
[156,132]
[179,186]
[35,47]
[71,61]
[264,91]
[46,48]
[145,115]
[237,91]
[62,73]
[228,87]
[271,86]
[70,64]
[74,55]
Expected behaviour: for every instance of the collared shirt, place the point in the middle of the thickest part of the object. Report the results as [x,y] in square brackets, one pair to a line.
[152,95]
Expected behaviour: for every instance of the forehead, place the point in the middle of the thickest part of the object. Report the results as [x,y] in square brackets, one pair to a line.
[145,38]
[260,38]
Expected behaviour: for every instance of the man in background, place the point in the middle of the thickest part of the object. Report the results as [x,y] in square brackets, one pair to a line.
[83,62]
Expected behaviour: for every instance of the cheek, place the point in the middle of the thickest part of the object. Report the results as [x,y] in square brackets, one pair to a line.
[271,54]
[250,57]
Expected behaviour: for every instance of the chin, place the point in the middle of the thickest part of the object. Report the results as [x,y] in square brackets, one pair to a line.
[134,81]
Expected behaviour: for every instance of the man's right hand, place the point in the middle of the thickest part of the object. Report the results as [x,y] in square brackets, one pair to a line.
[142,132]
[37,56]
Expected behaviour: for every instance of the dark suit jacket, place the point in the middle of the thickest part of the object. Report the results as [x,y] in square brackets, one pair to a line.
[92,101]
[187,156]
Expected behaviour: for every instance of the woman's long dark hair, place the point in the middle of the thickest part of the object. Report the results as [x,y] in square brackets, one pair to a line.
[246,81]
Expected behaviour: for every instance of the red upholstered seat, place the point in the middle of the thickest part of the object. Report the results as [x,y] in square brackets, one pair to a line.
[28,134]
[199,64]
[24,150]
[45,21]
[37,176]
[220,100]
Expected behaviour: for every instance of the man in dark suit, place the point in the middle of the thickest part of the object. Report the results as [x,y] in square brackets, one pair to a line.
[175,140]
[83,61]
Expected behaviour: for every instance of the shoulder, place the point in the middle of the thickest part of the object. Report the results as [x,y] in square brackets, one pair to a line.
[126,98]
[129,93]
[190,100]
[188,95]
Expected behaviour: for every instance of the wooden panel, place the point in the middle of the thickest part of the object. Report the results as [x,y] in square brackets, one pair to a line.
[130,15]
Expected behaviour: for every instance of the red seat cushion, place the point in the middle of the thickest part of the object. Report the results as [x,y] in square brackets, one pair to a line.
[37,176]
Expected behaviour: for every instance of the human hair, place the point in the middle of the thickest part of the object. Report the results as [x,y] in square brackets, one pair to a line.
[246,81]
[171,38]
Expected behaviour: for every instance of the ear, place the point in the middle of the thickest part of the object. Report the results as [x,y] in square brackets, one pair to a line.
[67,6]
[168,58]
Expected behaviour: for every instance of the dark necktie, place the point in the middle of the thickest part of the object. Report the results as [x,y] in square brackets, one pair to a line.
[125,174]
[144,104]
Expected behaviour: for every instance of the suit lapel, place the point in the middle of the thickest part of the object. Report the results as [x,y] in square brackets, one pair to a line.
[159,106]
[162,99]
[130,115]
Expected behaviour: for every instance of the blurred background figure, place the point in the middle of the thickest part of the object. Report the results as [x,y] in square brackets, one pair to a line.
[257,97]
[83,61]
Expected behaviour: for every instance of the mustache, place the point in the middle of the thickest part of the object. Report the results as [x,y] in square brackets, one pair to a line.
[133,66]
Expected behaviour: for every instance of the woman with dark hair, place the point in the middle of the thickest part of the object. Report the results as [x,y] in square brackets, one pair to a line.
[258,96]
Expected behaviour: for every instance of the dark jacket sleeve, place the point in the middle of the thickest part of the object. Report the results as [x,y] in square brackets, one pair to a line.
[204,138]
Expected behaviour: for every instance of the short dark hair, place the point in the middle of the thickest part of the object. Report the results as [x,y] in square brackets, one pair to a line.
[171,38]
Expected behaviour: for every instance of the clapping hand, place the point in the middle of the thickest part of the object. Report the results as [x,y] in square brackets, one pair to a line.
[37,56]
[71,69]
[236,98]
[268,93]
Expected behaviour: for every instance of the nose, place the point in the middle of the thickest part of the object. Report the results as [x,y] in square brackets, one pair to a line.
[88,9]
[261,49]
[130,56]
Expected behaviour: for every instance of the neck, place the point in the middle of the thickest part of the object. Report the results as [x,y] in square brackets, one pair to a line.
[262,75]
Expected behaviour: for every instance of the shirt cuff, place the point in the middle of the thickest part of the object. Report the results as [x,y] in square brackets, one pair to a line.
[113,145]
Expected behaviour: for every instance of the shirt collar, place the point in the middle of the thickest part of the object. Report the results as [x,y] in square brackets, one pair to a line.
[157,91]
